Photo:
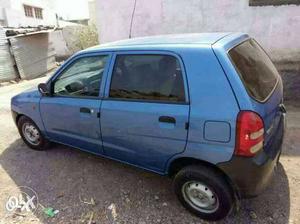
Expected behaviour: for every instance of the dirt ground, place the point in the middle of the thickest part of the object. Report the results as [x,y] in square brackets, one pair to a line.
[89,189]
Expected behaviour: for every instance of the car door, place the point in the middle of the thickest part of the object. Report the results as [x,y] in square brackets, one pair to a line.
[71,114]
[144,116]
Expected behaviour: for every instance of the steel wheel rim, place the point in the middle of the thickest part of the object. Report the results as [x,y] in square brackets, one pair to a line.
[200,197]
[31,133]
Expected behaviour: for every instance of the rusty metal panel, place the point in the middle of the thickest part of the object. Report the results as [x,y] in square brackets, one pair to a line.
[34,54]
[273,2]
[7,69]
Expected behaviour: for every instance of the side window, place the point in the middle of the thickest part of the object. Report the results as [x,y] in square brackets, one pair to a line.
[147,77]
[81,78]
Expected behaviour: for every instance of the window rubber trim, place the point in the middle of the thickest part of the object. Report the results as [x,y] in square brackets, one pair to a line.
[237,71]
[155,52]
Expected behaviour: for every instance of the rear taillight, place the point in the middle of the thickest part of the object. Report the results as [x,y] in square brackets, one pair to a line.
[249,134]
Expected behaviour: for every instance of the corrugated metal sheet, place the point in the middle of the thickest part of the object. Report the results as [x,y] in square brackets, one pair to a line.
[34,54]
[7,70]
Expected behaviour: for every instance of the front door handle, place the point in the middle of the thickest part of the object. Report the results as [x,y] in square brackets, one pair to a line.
[85,110]
[167,119]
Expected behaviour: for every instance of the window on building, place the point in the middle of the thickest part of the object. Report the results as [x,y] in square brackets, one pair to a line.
[38,12]
[28,11]
[147,78]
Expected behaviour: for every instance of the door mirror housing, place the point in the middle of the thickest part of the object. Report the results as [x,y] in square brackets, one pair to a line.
[43,89]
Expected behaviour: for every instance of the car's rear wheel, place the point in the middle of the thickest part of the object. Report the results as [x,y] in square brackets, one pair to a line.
[204,192]
[31,134]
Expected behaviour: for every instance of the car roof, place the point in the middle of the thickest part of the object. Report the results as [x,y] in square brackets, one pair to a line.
[196,39]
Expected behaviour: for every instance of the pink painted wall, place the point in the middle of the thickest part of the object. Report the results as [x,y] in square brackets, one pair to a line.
[277,28]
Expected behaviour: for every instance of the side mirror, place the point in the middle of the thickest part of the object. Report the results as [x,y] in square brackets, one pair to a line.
[43,89]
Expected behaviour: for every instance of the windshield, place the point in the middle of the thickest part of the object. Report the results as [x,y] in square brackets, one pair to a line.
[255,69]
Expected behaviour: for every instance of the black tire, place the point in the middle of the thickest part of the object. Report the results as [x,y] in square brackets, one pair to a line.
[216,183]
[42,143]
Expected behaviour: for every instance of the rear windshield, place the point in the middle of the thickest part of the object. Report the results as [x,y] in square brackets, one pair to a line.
[255,68]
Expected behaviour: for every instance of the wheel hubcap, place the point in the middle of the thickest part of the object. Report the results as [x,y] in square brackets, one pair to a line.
[200,197]
[31,133]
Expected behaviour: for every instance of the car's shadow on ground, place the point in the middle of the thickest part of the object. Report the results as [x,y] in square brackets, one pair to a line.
[66,179]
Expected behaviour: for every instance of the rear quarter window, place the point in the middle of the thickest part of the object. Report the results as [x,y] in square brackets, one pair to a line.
[255,69]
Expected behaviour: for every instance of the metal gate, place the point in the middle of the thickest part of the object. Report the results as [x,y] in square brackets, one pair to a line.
[34,54]
[7,65]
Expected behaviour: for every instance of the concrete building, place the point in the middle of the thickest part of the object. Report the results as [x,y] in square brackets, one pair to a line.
[274,23]
[18,13]
[27,50]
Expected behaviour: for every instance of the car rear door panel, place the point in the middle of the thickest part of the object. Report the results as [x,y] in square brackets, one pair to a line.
[144,132]
[133,132]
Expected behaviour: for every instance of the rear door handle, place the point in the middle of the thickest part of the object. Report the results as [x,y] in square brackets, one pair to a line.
[167,119]
[85,110]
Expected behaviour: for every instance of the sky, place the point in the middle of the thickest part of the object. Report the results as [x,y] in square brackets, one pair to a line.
[72,9]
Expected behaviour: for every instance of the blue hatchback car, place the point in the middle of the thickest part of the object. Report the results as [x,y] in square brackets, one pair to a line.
[205,109]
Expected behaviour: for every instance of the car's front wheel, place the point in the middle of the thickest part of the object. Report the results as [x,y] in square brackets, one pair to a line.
[31,134]
[204,192]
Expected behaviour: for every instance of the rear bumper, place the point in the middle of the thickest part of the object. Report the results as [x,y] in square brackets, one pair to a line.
[250,176]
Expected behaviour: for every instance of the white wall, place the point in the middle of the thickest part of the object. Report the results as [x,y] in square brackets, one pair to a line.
[72,9]
[68,40]
[3,4]
[277,28]
[14,15]
[59,44]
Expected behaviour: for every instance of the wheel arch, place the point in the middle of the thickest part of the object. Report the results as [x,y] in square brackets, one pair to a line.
[18,116]
[181,162]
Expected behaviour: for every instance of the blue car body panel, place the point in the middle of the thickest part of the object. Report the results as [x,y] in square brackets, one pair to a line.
[130,131]
[69,125]
[268,110]
[208,85]
[65,123]
[28,103]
